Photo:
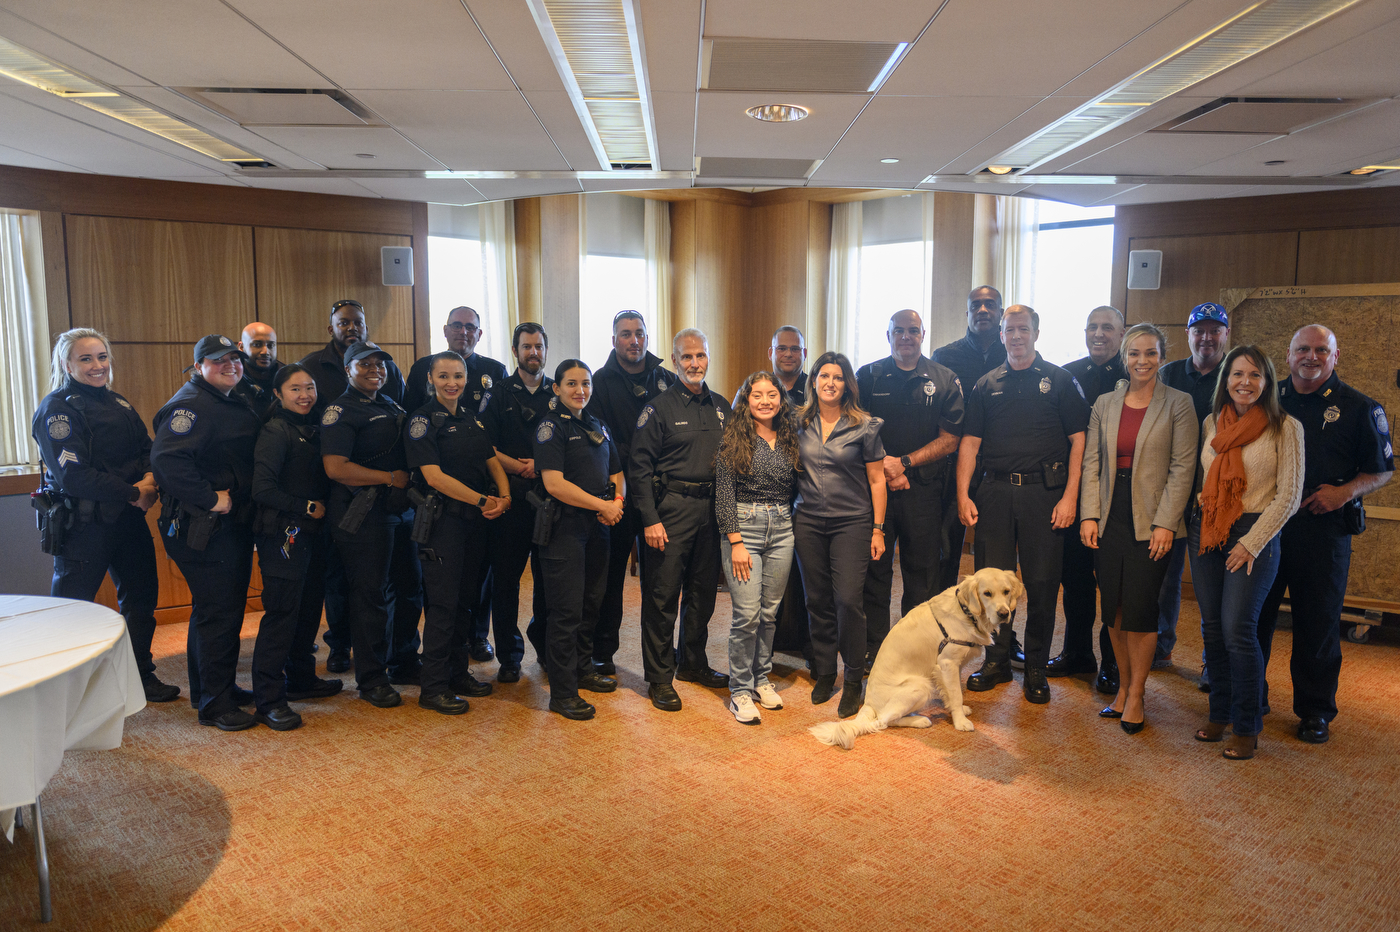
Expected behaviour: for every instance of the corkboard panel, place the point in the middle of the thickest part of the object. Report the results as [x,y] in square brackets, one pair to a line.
[1367,335]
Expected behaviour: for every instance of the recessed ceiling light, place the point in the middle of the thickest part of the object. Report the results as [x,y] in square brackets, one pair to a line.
[364,155]
[999,169]
[1368,170]
[778,113]
[889,161]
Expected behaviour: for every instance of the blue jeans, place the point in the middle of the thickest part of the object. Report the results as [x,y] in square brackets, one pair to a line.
[767,534]
[1230,605]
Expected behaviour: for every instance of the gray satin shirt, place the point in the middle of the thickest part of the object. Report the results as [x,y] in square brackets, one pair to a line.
[832,483]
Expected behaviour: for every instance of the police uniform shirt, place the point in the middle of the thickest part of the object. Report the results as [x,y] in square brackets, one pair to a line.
[256,386]
[562,443]
[1183,376]
[288,474]
[1025,417]
[364,430]
[1094,379]
[619,396]
[93,442]
[512,413]
[458,444]
[677,436]
[914,404]
[1344,433]
[205,441]
[968,362]
[327,367]
[483,373]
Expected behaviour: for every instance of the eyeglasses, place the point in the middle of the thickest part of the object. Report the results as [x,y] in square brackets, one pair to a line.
[457,326]
[632,314]
[346,303]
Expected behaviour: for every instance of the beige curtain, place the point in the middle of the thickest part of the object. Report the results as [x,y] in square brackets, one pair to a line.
[24,334]
[843,284]
[501,311]
[1003,245]
[656,239]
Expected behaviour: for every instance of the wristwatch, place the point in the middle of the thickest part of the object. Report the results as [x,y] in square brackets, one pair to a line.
[906,462]
[880,526]
[310,509]
[481,503]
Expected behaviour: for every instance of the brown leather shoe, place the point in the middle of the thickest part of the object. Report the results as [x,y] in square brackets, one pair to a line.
[1212,732]
[1239,747]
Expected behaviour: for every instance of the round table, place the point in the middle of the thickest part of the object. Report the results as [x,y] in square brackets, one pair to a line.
[68,680]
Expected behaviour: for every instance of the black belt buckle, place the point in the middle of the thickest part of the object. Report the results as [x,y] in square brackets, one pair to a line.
[1014,478]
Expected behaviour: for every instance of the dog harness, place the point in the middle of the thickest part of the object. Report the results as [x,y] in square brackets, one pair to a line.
[946,639]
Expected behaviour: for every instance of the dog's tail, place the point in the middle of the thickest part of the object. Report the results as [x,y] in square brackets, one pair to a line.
[844,734]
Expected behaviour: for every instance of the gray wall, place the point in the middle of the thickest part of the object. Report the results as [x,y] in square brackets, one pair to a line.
[24,569]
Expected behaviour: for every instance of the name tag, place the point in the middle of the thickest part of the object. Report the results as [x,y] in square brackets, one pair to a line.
[681,423]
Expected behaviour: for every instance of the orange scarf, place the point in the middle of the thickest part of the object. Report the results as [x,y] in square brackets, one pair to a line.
[1222,498]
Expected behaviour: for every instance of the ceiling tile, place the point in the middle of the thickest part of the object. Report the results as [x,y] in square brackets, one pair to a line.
[511,30]
[560,118]
[469,130]
[345,186]
[1332,147]
[724,129]
[980,152]
[1085,195]
[428,190]
[1159,193]
[675,129]
[526,187]
[185,109]
[1149,119]
[58,49]
[869,21]
[1166,153]
[11,156]
[339,146]
[671,32]
[973,187]
[634,185]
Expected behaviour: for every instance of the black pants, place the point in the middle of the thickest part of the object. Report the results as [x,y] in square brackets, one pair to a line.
[575,570]
[509,552]
[1081,598]
[911,523]
[218,579]
[678,586]
[953,532]
[291,617]
[1314,560]
[621,537]
[124,549]
[479,609]
[451,580]
[834,554]
[1013,524]
[329,571]
[377,557]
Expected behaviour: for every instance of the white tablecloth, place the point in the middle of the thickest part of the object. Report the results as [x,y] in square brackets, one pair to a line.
[68,680]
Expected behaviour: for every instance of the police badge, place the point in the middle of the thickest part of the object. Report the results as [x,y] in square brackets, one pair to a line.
[1331,415]
[485,381]
[929,389]
[1045,385]
[645,416]
[59,427]
[1121,383]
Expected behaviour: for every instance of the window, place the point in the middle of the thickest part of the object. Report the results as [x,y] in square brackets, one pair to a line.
[24,336]
[455,270]
[892,275]
[614,272]
[1073,273]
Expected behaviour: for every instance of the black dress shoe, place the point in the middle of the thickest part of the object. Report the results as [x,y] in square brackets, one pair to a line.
[605,667]
[509,673]
[446,703]
[407,676]
[1071,665]
[993,673]
[850,699]
[279,718]
[1107,680]
[1314,730]
[663,696]
[597,683]
[338,661]
[706,677]
[824,688]
[318,689]
[1109,711]
[243,696]
[1132,728]
[1034,686]
[573,708]
[232,720]
[481,651]
[383,696]
[467,685]
[156,691]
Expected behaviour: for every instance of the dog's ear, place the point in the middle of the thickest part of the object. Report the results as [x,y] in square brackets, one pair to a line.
[967,594]
[1017,589]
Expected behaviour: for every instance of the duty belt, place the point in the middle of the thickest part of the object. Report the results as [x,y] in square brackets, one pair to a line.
[690,489]
[1016,478]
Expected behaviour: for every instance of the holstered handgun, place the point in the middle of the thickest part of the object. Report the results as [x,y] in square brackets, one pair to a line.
[547,513]
[426,510]
[359,508]
[199,527]
[54,519]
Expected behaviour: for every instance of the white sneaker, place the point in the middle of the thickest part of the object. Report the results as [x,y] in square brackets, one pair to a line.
[768,697]
[744,710]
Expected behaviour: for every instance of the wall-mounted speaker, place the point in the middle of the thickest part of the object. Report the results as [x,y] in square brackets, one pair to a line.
[398,264]
[1144,269]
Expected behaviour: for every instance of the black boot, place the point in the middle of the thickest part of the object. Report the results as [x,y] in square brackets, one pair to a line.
[850,695]
[824,688]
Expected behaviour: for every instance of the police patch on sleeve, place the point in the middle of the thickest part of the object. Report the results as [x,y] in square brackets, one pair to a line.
[644,417]
[1378,415]
[331,416]
[59,427]
[124,403]
[544,431]
[182,420]
[416,427]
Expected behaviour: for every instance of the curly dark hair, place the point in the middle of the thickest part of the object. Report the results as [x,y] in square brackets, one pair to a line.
[736,448]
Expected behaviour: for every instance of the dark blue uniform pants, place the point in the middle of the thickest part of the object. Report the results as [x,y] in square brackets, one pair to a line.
[509,552]
[689,567]
[451,583]
[291,617]
[380,556]
[218,580]
[621,536]
[1314,562]
[1081,596]
[575,570]
[1013,525]
[329,572]
[834,554]
[953,532]
[123,548]
[911,522]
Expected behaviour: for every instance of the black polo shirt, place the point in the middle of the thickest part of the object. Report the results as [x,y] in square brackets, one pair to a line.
[968,362]
[562,443]
[1183,376]
[364,430]
[458,444]
[677,437]
[93,442]
[256,386]
[1344,433]
[512,413]
[1025,418]
[482,373]
[327,367]
[914,404]
[204,443]
[1094,379]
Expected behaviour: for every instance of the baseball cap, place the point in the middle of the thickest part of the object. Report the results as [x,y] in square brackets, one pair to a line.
[215,346]
[364,348]
[1208,312]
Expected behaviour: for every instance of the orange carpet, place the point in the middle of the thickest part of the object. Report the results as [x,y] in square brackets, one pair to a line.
[509,817]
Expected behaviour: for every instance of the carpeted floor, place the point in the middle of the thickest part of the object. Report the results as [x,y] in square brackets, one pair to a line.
[1045,818]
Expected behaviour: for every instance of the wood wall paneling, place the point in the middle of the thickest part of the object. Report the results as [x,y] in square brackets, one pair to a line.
[528,274]
[55,248]
[155,281]
[1344,257]
[1320,210]
[301,273]
[778,282]
[818,276]
[422,326]
[721,248]
[559,272]
[684,295]
[952,267]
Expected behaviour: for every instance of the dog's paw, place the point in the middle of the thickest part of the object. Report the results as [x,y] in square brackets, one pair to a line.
[962,724]
[914,721]
[967,710]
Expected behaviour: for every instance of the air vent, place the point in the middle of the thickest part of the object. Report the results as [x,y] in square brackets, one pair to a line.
[811,65]
[1265,116]
[715,168]
[278,106]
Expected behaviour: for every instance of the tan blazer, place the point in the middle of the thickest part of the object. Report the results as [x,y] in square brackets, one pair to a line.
[1164,461]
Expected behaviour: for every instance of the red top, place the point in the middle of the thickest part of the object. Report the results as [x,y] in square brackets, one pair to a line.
[1128,425]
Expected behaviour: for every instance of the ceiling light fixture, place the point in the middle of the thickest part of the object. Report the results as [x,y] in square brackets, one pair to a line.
[1000,169]
[598,51]
[26,67]
[1368,170]
[1258,27]
[889,161]
[778,113]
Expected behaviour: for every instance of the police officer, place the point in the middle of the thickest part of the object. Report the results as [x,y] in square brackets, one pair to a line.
[362,449]
[1347,454]
[788,354]
[289,490]
[1097,373]
[463,330]
[259,343]
[456,464]
[1026,419]
[98,457]
[787,351]
[583,475]
[921,405]
[672,479]
[621,389]
[202,458]
[512,412]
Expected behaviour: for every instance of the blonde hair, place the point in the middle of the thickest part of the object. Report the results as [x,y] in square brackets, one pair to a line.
[1136,330]
[63,347]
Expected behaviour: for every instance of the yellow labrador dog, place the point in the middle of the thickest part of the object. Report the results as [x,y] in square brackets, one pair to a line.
[923,657]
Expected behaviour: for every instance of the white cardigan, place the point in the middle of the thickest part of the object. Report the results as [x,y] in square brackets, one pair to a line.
[1273,468]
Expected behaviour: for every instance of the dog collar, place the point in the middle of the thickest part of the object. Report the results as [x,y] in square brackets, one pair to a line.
[949,640]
